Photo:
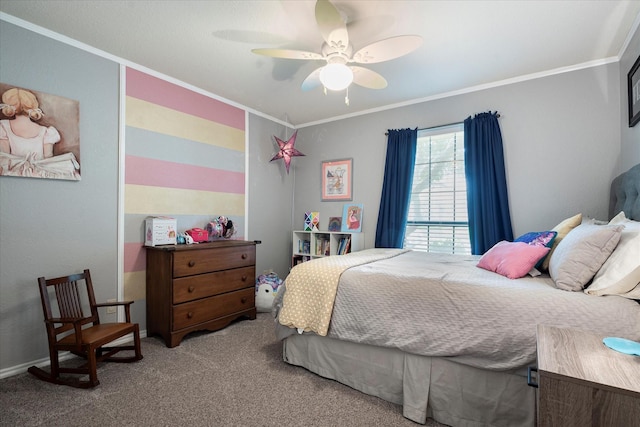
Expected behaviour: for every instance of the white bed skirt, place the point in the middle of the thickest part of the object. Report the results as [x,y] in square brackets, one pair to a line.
[448,392]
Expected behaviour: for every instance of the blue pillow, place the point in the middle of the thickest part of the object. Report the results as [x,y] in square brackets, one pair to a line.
[538,238]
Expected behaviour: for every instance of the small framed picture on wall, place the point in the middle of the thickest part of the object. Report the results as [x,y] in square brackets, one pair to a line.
[337,180]
[633,83]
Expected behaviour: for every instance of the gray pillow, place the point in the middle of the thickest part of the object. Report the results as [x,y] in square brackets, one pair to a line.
[581,253]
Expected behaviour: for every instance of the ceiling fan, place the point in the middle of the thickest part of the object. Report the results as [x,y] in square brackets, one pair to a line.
[337,51]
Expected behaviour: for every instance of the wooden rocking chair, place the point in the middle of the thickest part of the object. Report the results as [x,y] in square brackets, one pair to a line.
[83,336]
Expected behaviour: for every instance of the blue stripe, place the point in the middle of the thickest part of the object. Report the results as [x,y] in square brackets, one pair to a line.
[158,146]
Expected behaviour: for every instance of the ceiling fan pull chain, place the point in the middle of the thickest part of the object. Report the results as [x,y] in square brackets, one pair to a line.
[346,97]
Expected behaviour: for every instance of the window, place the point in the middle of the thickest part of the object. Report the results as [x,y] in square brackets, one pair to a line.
[437,219]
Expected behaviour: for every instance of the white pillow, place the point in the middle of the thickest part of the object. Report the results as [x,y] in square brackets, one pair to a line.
[581,254]
[620,274]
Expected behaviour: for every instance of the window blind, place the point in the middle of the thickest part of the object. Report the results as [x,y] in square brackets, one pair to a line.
[437,219]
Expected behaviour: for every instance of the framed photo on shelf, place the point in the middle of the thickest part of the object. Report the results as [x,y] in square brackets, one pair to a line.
[352,218]
[337,182]
[335,223]
[311,221]
[633,83]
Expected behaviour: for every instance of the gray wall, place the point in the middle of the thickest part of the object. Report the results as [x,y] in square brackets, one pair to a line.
[56,227]
[630,146]
[561,137]
[270,196]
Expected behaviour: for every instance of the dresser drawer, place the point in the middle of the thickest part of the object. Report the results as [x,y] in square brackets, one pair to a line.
[209,284]
[188,263]
[192,313]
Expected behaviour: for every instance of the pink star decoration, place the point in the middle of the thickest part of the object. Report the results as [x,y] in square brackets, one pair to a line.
[287,150]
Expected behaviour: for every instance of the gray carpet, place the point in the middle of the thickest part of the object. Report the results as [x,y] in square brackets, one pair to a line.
[233,377]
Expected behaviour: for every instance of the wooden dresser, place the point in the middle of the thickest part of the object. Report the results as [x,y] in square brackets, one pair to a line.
[582,382]
[199,287]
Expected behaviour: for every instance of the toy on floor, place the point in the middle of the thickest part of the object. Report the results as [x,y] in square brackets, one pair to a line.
[266,288]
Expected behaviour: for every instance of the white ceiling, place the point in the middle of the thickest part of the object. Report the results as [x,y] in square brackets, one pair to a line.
[467,44]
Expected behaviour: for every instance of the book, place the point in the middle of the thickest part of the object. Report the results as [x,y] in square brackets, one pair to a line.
[347,245]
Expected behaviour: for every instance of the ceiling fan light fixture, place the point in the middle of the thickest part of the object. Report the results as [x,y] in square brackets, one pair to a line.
[337,50]
[336,76]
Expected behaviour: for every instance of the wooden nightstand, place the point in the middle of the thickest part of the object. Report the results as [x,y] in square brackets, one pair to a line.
[199,287]
[582,382]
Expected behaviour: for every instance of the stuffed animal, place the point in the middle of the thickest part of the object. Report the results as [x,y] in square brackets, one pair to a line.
[266,288]
[220,228]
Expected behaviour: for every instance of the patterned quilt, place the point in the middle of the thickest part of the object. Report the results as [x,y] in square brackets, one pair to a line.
[309,307]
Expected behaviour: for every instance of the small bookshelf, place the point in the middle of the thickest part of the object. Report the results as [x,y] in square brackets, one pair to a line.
[308,245]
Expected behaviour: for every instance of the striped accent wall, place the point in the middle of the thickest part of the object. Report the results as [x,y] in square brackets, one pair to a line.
[184,158]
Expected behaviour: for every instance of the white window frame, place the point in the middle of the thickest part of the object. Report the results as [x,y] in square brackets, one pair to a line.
[441,235]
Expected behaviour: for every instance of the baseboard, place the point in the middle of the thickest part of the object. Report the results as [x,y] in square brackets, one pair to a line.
[19,369]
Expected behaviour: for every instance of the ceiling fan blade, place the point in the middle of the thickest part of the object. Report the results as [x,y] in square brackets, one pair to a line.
[288,53]
[331,25]
[387,49]
[367,78]
[313,80]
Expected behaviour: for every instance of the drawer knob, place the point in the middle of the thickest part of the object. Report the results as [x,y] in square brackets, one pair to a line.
[244,278]
[191,289]
[189,315]
[243,300]
[244,256]
[192,263]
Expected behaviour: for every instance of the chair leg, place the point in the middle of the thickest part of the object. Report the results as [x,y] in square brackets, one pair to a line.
[136,342]
[92,365]
[55,364]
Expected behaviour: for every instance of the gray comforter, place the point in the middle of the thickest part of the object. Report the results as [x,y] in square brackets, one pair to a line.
[443,305]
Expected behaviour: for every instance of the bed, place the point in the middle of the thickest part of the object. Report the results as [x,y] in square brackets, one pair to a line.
[452,341]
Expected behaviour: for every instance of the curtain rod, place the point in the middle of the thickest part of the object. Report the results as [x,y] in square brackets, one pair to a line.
[442,126]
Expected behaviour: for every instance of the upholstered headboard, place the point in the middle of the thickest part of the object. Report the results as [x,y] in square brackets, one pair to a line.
[625,194]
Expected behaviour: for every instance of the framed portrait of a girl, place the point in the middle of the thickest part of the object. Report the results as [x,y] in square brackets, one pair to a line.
[39,134]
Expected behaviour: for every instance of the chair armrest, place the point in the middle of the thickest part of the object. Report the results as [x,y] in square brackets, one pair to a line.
[126,304]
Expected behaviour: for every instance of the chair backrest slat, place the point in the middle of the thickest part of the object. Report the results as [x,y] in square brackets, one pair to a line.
[69,302]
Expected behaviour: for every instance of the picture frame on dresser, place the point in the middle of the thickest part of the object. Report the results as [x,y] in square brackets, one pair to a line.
[633,85]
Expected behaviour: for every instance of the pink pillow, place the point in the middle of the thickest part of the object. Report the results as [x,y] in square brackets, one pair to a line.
[512,259]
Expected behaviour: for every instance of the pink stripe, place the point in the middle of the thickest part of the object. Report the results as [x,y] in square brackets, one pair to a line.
[161,92]
[160,173]
[134,257]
